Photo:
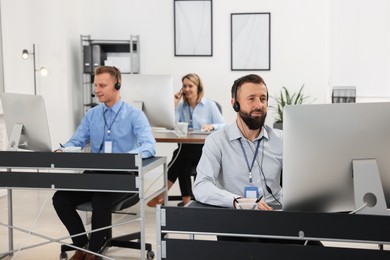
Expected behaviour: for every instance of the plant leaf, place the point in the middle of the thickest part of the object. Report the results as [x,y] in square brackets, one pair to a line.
[286,98]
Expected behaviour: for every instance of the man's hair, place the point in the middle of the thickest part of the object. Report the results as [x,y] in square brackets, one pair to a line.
[113,71]
[251,78]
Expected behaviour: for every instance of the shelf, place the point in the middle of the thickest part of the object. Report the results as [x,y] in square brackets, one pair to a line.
[125,48]
[123,54]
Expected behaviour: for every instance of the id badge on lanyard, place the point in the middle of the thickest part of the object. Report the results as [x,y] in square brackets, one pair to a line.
[107,146]
[251,192]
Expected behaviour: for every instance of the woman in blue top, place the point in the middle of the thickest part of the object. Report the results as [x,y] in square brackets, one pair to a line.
[201,114]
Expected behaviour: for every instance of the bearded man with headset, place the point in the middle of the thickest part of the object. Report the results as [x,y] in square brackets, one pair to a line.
[243,160]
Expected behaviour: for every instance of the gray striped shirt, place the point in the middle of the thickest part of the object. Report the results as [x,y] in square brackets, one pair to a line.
[222,172]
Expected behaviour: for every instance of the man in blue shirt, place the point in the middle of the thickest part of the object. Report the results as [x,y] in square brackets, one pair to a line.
[111,127]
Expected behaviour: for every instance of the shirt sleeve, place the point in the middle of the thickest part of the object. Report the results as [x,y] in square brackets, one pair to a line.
[208,169]
[145,141]
[81,135]
[179,112]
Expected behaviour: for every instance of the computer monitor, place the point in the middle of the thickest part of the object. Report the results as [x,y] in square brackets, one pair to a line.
[326,146]
[26,122]
[156,94]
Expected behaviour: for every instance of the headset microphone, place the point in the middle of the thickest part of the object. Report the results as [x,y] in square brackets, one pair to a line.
[93,94]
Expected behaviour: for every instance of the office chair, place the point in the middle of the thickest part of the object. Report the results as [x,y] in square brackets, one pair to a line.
[219,106]
[127,241]
[193,172]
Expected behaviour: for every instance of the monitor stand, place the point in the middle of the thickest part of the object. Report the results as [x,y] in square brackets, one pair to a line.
[368,187]
[14,140]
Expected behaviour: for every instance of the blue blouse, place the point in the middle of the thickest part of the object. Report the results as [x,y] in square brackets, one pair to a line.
[205,112]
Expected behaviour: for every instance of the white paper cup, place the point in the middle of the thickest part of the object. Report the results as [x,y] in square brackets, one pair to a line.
[181,128]
[246,203]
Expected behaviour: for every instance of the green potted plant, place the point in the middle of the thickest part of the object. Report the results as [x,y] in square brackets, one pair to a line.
[286,98]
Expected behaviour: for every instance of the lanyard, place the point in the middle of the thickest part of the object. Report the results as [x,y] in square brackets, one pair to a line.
[112,122]
[190,112]
[253,161]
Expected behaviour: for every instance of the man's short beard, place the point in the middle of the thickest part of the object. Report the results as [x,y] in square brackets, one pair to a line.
[253,123]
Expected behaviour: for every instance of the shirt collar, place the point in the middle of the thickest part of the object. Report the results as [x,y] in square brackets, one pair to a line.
[202,101]
[115,108]
[234,133]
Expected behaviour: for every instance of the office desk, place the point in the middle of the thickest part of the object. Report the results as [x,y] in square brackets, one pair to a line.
[62,172]
[166,136]
[199,219]
[170,137]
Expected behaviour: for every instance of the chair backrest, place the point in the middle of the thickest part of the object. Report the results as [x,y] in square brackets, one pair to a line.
[219,106]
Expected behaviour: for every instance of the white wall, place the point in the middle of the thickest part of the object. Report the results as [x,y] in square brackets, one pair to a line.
[54,28]
[305,47]
[360,47]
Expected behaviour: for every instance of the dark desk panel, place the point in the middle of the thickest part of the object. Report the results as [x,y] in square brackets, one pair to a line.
[230,250]
[69,181]
[108,171]
[199,219]
[278,223]
[93,161]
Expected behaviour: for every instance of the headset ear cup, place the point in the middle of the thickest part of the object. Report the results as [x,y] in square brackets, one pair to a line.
[117,85]
[236,106]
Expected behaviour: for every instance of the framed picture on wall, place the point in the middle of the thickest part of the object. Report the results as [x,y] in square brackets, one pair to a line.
[251,41]
[193,28]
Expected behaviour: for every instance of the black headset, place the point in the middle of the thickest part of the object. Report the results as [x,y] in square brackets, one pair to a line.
[199,84]
[200,88]
[236,84]
[236,105]
[118,83]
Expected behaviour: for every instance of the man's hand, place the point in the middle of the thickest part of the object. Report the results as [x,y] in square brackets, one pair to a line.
[250,203]
[263,206]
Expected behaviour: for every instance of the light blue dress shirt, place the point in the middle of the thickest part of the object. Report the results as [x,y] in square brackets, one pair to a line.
[125,126]
[205,112]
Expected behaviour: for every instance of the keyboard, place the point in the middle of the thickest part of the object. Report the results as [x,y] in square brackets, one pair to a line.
[199,132]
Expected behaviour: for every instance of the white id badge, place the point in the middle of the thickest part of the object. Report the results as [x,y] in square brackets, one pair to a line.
[251,192]
[107,146]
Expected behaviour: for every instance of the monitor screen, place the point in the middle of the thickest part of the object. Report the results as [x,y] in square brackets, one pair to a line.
[156,94]
[320,142]
[26,122]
